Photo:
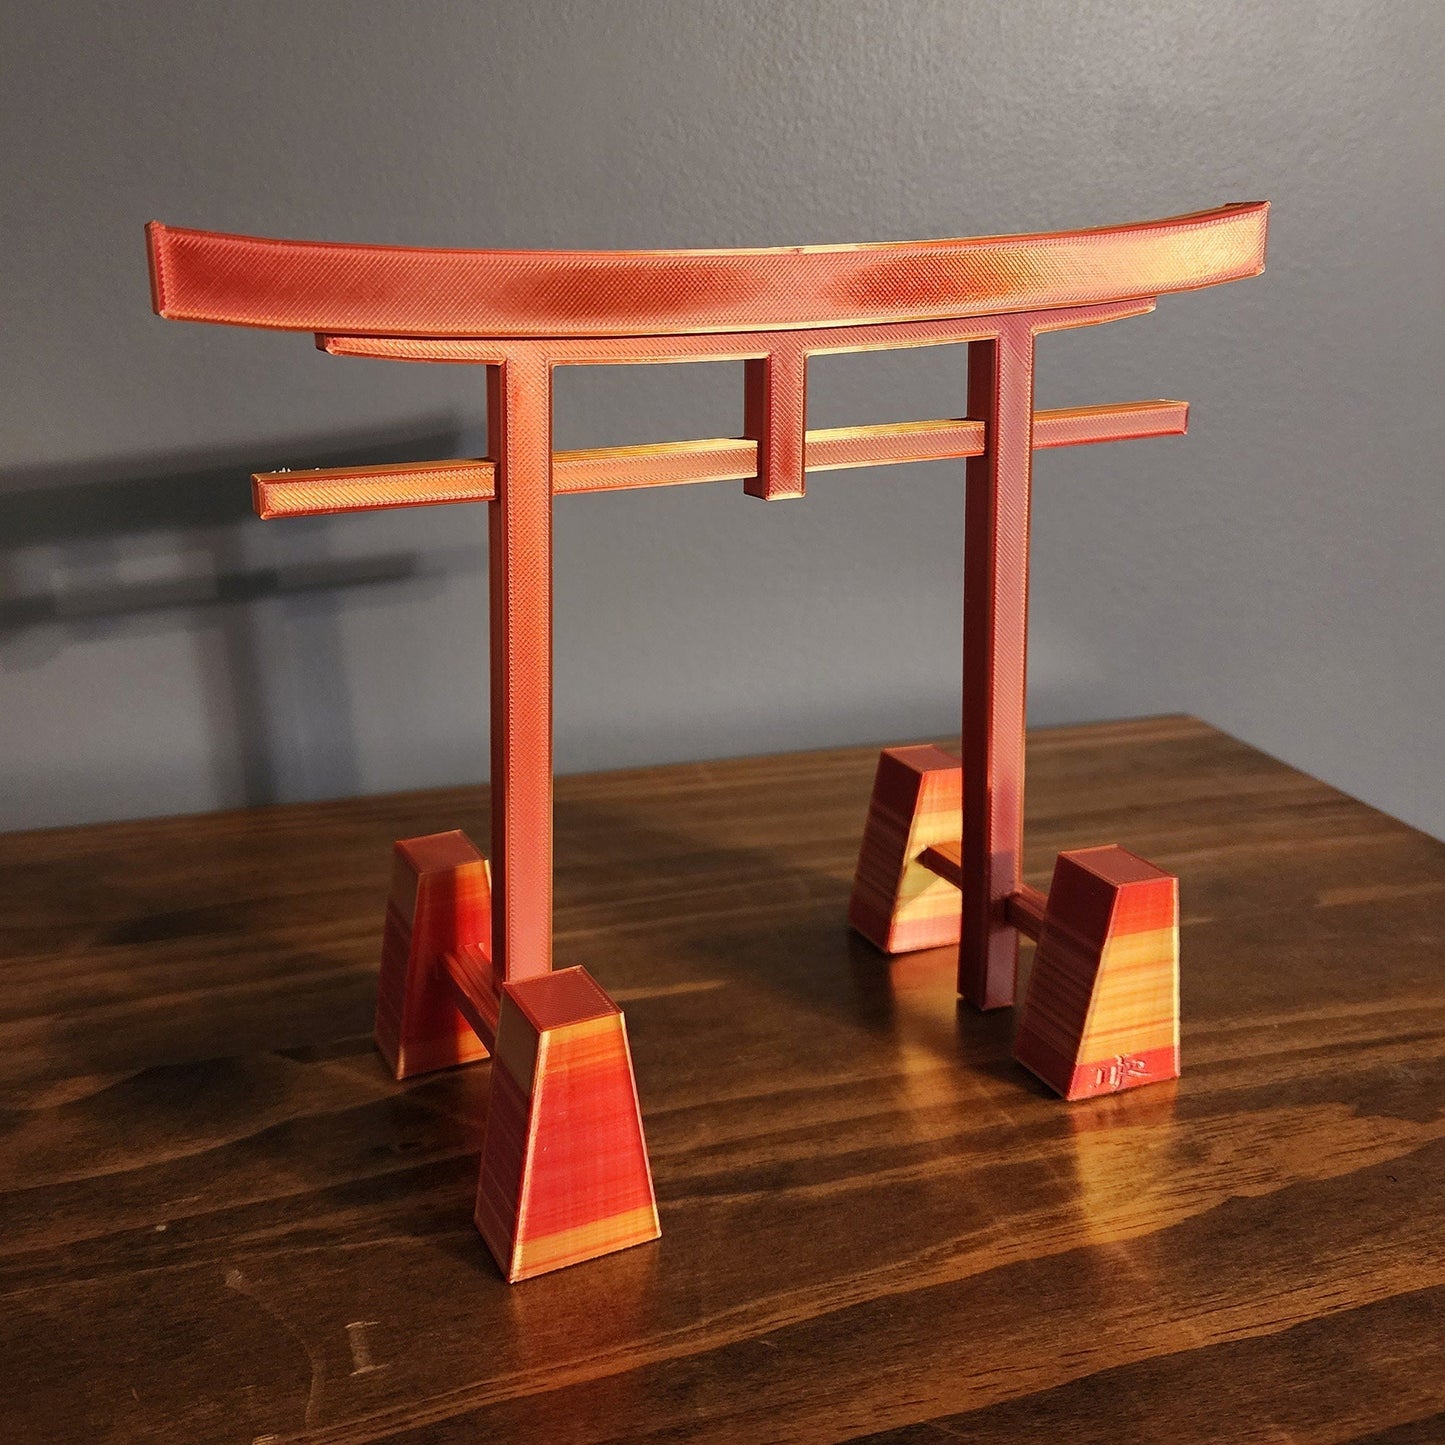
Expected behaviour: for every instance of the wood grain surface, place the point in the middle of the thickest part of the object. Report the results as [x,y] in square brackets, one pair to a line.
[220,1220]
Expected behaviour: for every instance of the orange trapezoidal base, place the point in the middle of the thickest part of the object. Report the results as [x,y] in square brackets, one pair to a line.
[898,903]
[441,900]
[565,1174]
[1102,1009]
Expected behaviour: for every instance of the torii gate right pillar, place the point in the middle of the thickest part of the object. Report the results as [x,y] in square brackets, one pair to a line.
[995,645]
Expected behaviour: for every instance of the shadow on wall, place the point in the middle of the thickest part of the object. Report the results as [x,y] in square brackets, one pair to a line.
[171,543]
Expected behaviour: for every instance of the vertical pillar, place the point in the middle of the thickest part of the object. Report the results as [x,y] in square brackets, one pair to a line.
[519,420]
[995,634]
[775,409]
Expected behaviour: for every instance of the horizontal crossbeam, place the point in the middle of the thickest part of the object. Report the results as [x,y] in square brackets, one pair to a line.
[1025,908]
[719,459]
[473,983]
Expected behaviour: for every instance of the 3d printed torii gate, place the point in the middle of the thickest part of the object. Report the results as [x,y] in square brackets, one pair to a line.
[521,314]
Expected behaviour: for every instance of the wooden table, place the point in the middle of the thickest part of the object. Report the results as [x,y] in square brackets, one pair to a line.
[221,1220]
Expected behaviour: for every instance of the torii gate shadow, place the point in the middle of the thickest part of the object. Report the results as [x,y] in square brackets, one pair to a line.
[807,951]
[84,520]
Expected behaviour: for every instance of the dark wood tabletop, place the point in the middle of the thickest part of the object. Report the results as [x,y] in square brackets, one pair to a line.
[220,1220]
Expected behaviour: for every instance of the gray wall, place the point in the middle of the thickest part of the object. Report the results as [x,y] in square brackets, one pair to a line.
[1278,572]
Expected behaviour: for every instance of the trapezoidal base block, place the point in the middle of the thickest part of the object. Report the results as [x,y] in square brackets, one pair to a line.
[564,1174]
[898,904]
[441,901]
[1102,1009]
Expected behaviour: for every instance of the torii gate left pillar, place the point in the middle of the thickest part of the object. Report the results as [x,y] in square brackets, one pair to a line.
[519,422]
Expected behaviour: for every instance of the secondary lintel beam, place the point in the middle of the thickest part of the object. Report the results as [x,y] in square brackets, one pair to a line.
[716,459]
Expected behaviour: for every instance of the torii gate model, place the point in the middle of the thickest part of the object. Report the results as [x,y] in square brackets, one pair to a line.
[467,950]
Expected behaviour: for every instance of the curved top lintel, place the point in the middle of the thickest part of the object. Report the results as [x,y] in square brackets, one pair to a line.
[357,290]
